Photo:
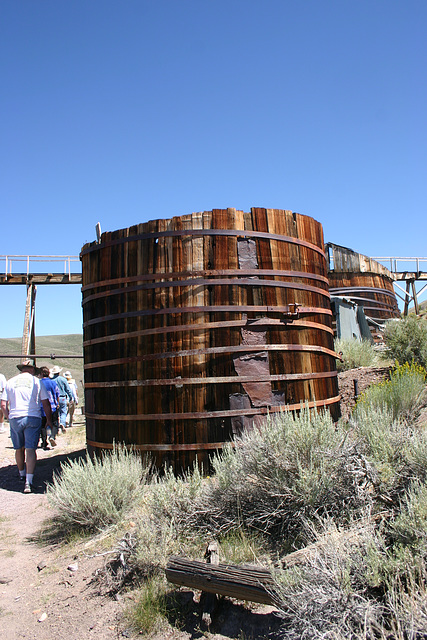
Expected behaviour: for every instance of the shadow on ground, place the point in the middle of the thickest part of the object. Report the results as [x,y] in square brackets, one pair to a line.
[45,470]
[230,619]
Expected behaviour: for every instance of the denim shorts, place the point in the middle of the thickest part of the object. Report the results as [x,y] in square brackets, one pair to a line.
[25,432]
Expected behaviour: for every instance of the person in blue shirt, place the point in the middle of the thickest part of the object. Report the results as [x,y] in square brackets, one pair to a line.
[48,434]
[65,396]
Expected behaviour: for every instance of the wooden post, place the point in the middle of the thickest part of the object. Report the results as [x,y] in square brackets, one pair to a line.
[209,601]
[29,335]
[407,298]
[415,299]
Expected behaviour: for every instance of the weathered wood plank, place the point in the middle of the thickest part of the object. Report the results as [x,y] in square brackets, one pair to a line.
[41,278]
[243,582]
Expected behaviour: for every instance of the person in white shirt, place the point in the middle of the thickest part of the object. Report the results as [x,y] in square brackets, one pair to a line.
[20,402]
[2,387]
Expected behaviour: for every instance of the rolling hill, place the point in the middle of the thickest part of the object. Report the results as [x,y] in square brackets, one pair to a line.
[64,345]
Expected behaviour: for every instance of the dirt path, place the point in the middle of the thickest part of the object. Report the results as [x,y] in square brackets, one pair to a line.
[53,601]
[57,603]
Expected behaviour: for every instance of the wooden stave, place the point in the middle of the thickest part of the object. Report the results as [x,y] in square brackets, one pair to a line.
[127,325]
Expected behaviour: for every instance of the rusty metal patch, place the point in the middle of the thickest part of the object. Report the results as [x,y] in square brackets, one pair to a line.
[255,364]
[240,423]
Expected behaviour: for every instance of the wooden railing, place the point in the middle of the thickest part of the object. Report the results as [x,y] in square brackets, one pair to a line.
[401,265]
[39,264]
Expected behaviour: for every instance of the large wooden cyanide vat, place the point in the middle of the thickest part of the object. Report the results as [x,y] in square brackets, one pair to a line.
[364,281]
[197,326]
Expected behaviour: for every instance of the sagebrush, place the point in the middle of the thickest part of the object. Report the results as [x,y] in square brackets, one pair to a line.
[402,394]
[406,340]
[356,353]
[351,496]
[91,494]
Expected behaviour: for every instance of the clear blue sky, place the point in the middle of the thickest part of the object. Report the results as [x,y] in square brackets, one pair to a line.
[131,110]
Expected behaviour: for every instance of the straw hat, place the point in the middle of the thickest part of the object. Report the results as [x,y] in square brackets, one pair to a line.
[55,370]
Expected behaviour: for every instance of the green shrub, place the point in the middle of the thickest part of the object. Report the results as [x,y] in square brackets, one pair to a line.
[356,353]
[410,525]
[326,595]
[274,477]
[164,520]
[272,487]
[92,494]
[406,340]
[401,394]
[394,451]
[172,497]
[242,547]
[149,611]
[353,583]
[383,441]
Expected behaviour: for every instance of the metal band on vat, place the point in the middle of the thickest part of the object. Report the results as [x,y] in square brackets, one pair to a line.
[214,380]
[200,233]
[209,309]
[275,323]
[238,282]
[214,414]
[241,348]
[204,274]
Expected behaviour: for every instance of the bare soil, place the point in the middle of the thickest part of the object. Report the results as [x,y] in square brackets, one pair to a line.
[43,598]
[47,591]
[355,381]
[40,598]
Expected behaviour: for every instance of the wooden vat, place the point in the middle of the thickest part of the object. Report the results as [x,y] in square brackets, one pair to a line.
[364,281]
[198,326]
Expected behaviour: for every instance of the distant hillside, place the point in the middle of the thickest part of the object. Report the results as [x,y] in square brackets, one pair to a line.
[46,345]
[422,307]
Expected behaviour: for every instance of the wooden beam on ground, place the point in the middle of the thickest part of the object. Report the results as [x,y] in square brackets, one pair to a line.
[243,582]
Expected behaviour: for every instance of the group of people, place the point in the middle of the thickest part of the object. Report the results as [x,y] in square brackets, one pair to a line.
[36,402]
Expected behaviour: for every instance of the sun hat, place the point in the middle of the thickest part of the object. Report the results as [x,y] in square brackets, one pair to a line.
[55,370]
[67,374]
[25,364]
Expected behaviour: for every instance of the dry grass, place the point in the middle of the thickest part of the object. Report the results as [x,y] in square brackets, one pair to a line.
[351,498]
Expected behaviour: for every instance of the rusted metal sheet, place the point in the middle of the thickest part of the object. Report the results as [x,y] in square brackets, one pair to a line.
[241,422]
[198,326]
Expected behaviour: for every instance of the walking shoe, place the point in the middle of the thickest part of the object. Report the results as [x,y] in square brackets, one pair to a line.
[22,478]
[52,442]
[28,488]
